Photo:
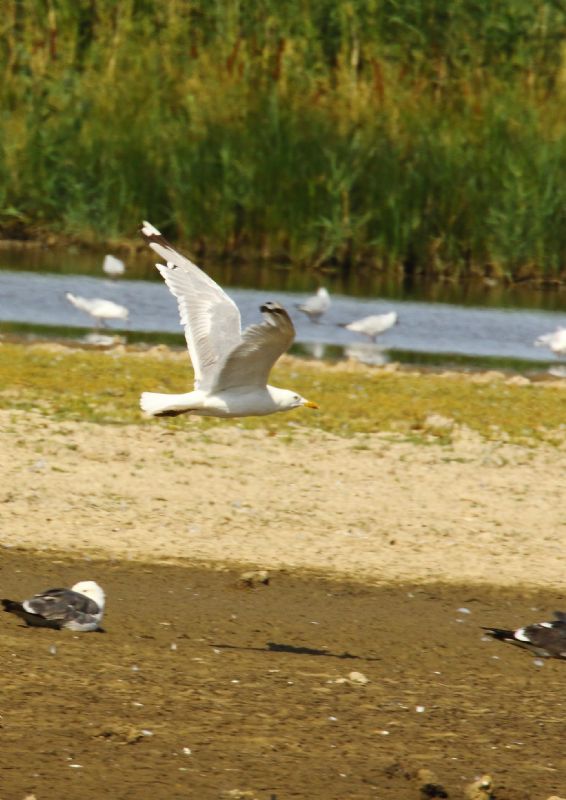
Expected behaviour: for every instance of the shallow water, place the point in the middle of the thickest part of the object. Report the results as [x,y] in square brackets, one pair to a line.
[267,276]
[424,328]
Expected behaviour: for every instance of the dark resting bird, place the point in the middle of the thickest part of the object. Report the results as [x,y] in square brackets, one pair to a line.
[544,639]
[79,608]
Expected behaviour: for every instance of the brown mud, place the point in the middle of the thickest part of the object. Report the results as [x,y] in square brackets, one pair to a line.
[200,688]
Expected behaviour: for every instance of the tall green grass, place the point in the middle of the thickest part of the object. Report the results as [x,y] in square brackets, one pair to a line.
[422,136]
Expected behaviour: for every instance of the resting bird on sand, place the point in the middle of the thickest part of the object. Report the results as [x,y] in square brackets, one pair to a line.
[100,310]
[113,267]
[554,341]
[317,305]
[79,608]
[544,639]
[231,366]
[373,325]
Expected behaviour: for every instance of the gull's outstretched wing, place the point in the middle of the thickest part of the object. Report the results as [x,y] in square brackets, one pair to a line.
[210,318]
[60,605]
[250,362]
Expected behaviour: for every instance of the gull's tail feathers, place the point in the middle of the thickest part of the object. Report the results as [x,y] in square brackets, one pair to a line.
[163,405]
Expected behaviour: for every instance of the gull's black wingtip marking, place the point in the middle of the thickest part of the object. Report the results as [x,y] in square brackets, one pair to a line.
[500,633]
[11,605]
[270,307]
[152,235]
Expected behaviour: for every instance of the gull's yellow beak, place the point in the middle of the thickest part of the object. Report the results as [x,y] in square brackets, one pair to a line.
[308,404]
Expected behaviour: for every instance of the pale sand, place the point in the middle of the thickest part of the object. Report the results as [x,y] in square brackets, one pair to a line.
[376,508]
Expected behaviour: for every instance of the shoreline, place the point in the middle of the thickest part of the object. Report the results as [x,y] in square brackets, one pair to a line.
[126,246]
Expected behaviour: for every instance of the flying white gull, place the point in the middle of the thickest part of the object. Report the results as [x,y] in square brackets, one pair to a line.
[79,608]
[100,310]
[554,341]
[317,305]
[373,325]
[544,639]
[113,267]
[230,366]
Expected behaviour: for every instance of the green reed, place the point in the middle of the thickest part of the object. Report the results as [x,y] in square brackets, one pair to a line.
[421,136]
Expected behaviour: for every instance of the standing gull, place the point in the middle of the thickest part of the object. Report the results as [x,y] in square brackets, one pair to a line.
[373,325]
[230,366]
[99,309]
[317,305]
[113,267]
[544,639]
[554,341]
[79,608]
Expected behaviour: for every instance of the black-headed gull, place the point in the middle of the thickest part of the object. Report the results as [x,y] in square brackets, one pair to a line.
[554,341]
[230,366]
[113,267]
[374,325]
[544,639]
[79,608]
[317,305]
[99,309]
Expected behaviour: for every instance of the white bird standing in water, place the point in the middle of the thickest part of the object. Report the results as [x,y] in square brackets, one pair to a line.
[317,305]
[99,309]
[231,366]
[554,341]
[374,325]
[113,267]
[79,608]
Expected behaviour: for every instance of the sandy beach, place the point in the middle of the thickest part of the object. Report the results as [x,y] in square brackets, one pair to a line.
[375,509]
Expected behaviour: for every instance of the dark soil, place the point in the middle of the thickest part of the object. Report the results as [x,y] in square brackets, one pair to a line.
[245,678]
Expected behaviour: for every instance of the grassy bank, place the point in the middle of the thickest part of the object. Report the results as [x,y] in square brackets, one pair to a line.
[422,137]
[105,388]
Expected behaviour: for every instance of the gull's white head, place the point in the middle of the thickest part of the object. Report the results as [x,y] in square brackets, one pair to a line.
[285,400]
[91,590]
[322,292]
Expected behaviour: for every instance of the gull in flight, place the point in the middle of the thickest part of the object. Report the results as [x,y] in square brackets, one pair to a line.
[79,608]
[544,639]
[374,325]
[317,305]
[230,366]
[100,310]
[113,267]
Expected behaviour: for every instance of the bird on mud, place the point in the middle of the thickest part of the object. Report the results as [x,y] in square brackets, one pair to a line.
[231,366]
[113,267]
[79,608]
[317,305]
[100,310]
[544,639]
[374,325]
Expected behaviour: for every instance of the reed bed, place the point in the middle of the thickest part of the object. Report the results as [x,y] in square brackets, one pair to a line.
[420,137]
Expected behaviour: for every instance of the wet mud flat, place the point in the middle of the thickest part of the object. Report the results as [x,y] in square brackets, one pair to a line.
[203,688]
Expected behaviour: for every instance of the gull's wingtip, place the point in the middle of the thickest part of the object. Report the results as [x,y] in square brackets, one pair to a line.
[147,229]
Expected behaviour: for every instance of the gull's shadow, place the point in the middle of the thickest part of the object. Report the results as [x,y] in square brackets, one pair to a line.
[278,647]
